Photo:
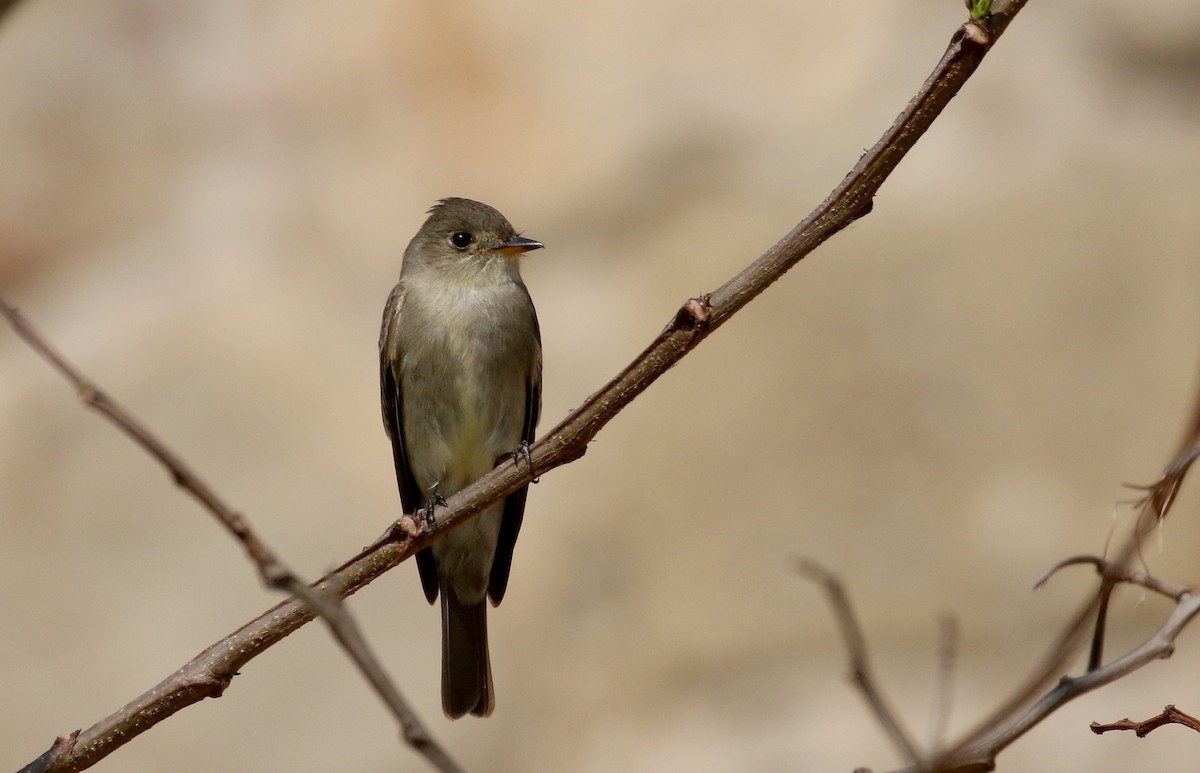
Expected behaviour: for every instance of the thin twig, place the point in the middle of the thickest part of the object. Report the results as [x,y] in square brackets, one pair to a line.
[1103,601]
[860,668]
[1161,494]
[273,572]
[1114,572]
[207,674]
[947,660]
[1169,716]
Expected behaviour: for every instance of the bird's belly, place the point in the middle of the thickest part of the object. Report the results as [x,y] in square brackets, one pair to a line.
[457,426]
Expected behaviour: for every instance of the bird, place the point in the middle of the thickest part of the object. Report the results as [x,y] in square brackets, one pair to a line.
[460,359]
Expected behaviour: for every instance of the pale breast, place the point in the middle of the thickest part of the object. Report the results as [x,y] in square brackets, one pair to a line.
[469,356]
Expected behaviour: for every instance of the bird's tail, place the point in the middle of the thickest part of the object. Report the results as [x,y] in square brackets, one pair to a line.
[466,668]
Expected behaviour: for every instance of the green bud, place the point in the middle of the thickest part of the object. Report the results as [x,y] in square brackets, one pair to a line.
[978,8]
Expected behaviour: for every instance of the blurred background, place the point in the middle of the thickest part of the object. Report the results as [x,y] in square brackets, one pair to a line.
[204,205]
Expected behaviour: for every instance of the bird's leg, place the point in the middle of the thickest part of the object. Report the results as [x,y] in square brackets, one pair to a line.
[435,500]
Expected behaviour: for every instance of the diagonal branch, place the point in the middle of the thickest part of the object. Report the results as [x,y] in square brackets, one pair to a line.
[210,672]
[271,569]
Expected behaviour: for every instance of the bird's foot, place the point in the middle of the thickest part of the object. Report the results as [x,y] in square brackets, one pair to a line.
[522,452]
[435,500]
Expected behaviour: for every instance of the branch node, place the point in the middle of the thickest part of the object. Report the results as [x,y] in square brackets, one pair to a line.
[407,527]
[976,34]
[695,313]
[63,746]
[205,684]
[864,210]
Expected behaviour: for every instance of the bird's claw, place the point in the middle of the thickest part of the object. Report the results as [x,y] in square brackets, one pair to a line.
[435,500]
[522,452]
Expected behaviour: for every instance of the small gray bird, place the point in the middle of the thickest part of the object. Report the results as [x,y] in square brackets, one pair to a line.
[460,365]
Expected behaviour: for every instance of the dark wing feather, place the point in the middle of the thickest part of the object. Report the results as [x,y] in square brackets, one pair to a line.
[392,398]
[514,504]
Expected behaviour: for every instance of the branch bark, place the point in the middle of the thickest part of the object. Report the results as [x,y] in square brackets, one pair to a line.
[209,673]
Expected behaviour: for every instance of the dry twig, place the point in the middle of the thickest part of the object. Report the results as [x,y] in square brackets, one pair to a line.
[1169,716]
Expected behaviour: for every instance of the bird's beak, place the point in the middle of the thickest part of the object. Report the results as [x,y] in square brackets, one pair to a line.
[517,245]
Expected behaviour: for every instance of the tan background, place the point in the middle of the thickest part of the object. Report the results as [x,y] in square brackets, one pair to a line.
[204,204]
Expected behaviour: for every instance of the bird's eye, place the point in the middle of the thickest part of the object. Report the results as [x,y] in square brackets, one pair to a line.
[460,239]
